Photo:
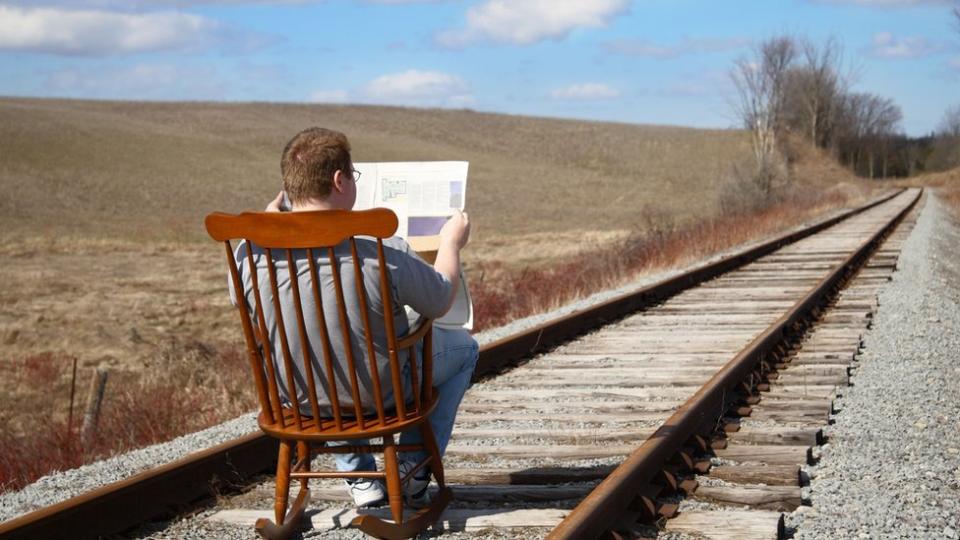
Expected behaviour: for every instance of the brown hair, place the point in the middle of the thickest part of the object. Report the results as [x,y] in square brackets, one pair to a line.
[309,161]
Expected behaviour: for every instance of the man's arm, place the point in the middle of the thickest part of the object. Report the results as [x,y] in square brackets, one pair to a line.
[453,236]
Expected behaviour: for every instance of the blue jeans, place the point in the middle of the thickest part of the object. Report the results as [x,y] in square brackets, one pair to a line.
[455,355]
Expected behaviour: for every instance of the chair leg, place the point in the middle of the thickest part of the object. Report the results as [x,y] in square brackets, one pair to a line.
[424,517]
[270,531]
[303,458]
[430,444]
[283,481]
[287,523]
[414,525]
[391,468]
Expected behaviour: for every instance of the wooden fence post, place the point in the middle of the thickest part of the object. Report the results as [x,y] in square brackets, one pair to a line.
[94,399]
[73,391]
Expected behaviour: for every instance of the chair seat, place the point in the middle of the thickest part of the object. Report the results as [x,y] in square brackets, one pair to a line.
[372,428]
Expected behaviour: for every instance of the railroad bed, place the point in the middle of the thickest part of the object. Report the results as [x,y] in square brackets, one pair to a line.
[532,443]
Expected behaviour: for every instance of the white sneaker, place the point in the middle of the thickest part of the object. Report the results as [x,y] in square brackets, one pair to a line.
[366,492]
[415,488]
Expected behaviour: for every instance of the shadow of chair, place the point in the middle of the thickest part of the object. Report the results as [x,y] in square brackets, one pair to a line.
[341,393]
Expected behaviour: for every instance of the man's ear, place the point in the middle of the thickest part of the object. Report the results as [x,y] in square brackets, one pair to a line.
[338,180]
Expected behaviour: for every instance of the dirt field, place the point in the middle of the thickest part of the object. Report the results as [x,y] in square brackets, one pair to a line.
[106,260]
[106,256]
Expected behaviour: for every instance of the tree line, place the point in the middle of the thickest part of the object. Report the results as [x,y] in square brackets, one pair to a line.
[793,85]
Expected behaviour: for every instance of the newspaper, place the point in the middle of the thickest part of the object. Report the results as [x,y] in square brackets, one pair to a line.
[423,194]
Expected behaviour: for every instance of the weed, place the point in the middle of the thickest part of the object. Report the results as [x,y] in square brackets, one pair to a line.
[196,386]
[517,294]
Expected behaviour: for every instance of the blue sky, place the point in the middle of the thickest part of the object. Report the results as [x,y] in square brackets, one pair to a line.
[640,61]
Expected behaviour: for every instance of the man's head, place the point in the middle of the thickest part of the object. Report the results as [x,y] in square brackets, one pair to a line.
[316,166]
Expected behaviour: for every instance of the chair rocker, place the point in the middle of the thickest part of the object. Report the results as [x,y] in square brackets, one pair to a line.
[303,237]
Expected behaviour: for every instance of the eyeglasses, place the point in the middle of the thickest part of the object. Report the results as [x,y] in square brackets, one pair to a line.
[356,175]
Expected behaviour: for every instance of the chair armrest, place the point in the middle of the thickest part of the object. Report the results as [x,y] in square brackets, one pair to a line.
[414,334]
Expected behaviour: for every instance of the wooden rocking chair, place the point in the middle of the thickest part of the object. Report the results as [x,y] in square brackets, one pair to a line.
[318,233]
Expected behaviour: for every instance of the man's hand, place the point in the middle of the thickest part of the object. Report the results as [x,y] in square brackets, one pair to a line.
[456,231]
[274,205]
[453,236]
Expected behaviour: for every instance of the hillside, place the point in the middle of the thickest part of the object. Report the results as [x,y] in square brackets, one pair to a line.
[106,168]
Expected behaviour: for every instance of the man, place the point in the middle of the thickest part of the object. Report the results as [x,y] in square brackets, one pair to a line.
[318,174]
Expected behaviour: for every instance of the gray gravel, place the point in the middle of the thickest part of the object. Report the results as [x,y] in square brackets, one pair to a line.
[891,468]
[62,485]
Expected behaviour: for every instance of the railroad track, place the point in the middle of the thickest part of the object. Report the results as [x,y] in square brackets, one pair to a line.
[727,370]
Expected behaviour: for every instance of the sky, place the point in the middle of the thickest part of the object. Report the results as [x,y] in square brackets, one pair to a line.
[636,61]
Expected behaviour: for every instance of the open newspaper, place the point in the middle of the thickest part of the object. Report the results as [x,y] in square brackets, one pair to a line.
[423,194]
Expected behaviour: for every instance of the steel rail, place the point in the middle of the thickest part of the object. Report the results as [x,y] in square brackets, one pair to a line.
[165,489]
[599,511]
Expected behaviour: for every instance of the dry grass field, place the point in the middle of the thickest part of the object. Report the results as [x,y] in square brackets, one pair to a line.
[947,185]
[106,260]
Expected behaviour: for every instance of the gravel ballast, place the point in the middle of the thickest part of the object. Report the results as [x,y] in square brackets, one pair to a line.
[891,464]
[62,485]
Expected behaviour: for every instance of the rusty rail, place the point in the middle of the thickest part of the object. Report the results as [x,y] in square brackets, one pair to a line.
[600,510]
[163,490]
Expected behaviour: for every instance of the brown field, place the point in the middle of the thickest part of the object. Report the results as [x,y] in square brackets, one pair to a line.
[106,260]
[946,184]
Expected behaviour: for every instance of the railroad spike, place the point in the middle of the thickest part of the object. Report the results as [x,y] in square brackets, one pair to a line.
[646,506]
[688,486]
[667,480]
[699,442]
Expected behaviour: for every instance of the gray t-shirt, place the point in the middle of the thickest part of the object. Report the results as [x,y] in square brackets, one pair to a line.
[414,283]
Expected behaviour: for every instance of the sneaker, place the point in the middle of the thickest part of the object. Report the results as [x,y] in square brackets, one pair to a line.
[366,493]
[415,489]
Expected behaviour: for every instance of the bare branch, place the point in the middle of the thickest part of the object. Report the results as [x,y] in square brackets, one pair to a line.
[950,124]
[760,81]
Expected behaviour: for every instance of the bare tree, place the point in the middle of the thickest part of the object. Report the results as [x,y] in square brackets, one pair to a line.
[867,124]
[889,117]
[760,81]
[852,127]
[946,152]
[820,89]
[879,120]
[950,123]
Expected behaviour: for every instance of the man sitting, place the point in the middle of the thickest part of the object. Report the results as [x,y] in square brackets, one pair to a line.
[318,174]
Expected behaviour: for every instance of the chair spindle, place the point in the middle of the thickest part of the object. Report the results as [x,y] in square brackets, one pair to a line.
[347,341]
[385,290]
[284,345]
[256,359]
[325,339]
[304,341]
[367,332]
[272,386]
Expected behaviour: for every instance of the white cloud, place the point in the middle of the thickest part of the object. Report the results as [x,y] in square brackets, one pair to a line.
[415,87]
[641,47]
[886,45]
[93,32]
[585,92]
[522,22]
[401,2]
[141,81]
[149,4]
[329,96]
[886,3]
